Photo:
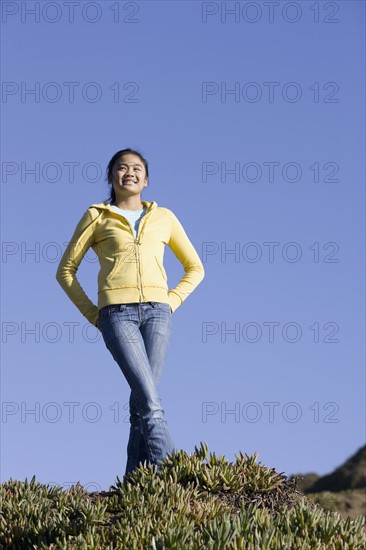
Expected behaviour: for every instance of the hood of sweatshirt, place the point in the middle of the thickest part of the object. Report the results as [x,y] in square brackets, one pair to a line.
[106,205]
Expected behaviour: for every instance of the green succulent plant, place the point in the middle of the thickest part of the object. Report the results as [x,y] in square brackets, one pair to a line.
[195,501]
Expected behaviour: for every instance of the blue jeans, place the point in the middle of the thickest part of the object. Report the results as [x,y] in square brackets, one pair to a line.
[138,335]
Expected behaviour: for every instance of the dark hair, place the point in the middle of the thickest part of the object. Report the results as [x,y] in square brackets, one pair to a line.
[115,157]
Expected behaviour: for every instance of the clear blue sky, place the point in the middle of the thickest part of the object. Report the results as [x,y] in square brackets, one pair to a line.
[156,76]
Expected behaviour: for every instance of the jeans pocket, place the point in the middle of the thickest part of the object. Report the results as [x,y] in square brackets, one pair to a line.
[110,310]
[162,305]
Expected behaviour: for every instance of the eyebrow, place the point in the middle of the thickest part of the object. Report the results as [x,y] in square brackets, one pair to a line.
[127,163]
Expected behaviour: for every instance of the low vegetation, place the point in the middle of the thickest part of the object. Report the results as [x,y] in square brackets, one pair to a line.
[197,501]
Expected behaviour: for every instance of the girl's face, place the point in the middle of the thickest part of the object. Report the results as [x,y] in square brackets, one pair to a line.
[128,175]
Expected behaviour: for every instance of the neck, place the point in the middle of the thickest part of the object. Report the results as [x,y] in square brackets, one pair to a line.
[131,203]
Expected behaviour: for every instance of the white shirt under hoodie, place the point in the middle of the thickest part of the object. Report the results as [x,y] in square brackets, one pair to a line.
[133,216]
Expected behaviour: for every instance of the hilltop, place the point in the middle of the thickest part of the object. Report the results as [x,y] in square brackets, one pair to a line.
[343,490]
[197,501]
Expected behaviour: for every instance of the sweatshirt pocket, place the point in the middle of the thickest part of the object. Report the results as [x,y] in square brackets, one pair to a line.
[153,274]
[123,272]
[161,268]
[117,262]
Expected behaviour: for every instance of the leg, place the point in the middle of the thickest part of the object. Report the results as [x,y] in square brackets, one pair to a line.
[120,327]
[136,448]
[156,330]
[156,333]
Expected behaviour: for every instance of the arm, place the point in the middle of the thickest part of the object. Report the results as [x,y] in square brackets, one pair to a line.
[80,242]
[187,255]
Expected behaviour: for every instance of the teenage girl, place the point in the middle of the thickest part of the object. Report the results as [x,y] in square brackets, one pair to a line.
[135,306]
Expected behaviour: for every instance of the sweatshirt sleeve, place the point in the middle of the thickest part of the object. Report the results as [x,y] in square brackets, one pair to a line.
[79,244]
[188,256]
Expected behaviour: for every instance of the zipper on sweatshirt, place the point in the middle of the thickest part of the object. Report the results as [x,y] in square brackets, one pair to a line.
[138,268]
[137,248]
[138,258]
[139,231]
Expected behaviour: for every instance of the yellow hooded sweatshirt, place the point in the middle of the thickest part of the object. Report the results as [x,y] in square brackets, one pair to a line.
[131,268]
